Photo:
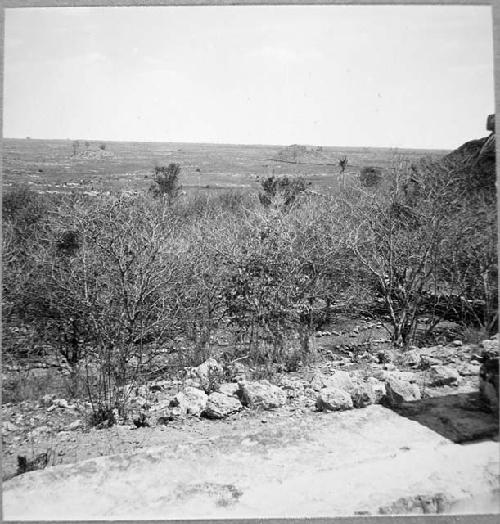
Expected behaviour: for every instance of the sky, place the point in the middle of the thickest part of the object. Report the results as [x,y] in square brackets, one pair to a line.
[381,76]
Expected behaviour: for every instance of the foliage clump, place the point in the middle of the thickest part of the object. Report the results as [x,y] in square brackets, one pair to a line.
[281,190]
[370,176]
[167,182]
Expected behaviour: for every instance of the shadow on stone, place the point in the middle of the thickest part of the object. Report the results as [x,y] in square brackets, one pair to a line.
[462,417]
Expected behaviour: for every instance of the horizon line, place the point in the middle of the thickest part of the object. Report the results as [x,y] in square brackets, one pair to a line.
[230,143]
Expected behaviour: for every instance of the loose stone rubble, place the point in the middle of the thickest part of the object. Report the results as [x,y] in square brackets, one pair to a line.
[405,381]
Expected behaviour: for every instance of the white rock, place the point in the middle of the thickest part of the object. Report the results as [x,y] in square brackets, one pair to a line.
[60,403]
[442,376]
[378,388]
[261,394]
[333,399]
[220,406]
[46,400]
[398,391]
[190,401]
[490,345]
[77,424]
[8,426]
[363,395]
[229,388]
[339,379]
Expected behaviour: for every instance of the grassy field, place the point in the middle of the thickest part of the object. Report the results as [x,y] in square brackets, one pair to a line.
[50,165]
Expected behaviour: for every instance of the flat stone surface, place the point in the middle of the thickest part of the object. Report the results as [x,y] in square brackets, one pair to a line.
[328,464]
[460,417]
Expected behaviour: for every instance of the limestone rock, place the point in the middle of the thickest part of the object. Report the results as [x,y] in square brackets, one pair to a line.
[230,389]
[167,415]
[191,401]
[261,394]
[411,358]
[442,376]
[293,388]
[427,361]
[438,503]
[363,395]
[208,371]
[220,406]
[159,385]
[8,426]
[333,399]
[405,376]
[340,380]
[239,371]
[488,381]
[466,369]
[318,381]
[204,376]
[60,403]
[378,388]
[490,346]
[398,391]
[77,424]
[47,400]
[139,402]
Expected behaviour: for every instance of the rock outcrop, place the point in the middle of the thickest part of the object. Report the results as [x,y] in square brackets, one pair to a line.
[190,401]
[261,394]
[220,406]
[363,395]
[333,399]
[478,156]
[442,376]
[206,375]
[399,391]
[488,374]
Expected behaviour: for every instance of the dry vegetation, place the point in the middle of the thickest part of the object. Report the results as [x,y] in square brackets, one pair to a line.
[123,287]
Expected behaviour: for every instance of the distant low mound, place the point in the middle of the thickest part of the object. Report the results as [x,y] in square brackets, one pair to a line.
[297,154]
[91,154]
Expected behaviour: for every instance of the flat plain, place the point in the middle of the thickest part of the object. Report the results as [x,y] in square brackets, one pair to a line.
[52,165]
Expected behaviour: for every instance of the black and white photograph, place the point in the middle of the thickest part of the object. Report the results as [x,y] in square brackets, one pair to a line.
[249,261]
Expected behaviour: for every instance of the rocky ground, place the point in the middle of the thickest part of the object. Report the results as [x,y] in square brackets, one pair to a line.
[359,461]
[437,386]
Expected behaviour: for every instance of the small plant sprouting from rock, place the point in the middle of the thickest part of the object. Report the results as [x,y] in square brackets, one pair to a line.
[215,379]
[141,421]
[102,417]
